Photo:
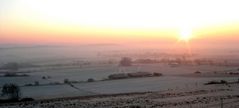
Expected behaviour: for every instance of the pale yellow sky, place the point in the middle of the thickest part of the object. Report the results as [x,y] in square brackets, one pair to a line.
[82,21]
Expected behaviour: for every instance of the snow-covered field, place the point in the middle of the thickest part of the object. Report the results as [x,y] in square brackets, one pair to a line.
[101,71]
[166,82]
[216,96]
[172,81]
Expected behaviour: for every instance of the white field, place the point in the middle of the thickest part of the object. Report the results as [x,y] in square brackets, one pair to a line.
[101,71]
[208,97]
[98,72]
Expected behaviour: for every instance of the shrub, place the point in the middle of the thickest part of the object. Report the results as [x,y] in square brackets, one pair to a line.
[10,74]
[12,91]
[90,80]
[36,83]
[197,72]
[66,81]
[27,99]
[223,82]
[157,74]
[126,61]
[216,82]
[28,84]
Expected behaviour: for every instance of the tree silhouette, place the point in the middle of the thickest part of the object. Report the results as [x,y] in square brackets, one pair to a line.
[12,91]
[125,61]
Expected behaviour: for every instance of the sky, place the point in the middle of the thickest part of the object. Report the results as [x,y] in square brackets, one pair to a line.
[118,21]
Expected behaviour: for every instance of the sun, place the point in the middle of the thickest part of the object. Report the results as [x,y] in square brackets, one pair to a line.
[185,34]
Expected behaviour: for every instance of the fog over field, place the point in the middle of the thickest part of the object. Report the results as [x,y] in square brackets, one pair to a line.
[48,72]
[119,54]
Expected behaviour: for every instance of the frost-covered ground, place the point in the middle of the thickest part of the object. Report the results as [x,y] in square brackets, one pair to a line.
[213,96]
[117,86]
[98,72]
[101,71]
[172,90]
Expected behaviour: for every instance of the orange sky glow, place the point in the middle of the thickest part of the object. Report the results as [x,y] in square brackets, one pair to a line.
[123,21]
